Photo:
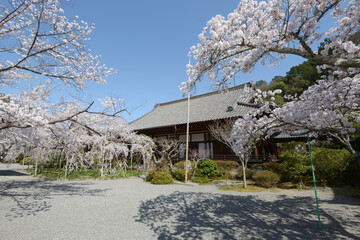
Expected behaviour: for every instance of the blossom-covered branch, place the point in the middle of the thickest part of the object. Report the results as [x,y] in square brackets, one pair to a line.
[265,32]
[37,40]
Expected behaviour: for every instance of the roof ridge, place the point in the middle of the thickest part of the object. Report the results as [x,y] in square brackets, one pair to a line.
[203,94]
[148,113]
[229,96]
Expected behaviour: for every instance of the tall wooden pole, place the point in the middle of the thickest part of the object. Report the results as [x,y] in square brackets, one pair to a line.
[313,173]
[187,135]
[187,131]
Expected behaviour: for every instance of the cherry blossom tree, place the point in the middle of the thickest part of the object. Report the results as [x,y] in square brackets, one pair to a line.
[38,42]
[37,39]
[39,45]
[221,130]
[166,150]
[90,141]
[266,32]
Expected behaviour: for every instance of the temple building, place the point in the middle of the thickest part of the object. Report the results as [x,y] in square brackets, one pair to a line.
[168,120]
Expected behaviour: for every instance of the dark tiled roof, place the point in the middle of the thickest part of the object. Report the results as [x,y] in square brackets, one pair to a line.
[289,135]
[204,107]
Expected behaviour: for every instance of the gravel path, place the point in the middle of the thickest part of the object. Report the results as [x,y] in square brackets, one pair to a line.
[32,208]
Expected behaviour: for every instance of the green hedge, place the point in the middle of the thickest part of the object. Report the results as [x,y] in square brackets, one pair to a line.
[331,164]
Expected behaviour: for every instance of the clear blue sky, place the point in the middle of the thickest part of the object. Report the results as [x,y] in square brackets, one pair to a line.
[147,43]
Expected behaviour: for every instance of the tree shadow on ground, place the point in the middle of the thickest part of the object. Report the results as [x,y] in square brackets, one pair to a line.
[343,197]
[215,216]
[8,173]
[33,196]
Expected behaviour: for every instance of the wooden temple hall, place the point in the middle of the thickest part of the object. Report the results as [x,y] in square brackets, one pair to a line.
[168,120]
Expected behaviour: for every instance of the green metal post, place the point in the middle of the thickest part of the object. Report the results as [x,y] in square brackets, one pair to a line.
[313,173]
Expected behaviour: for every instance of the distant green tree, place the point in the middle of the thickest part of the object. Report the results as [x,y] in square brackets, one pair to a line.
[296,81]
[260,83]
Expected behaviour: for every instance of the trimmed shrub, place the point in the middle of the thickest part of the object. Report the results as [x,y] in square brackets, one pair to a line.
[266,179]
[208,168]
[330,165]
[161,178]
[178,174]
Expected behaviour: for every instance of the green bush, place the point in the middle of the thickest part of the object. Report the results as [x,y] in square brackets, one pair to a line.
[150,175]
[297,166]
[227,169]
[331,164]
[249,173]
[225,173]
[27,161]
[178,174]
[276,167]
[266,179]
[208,168]
[161,178]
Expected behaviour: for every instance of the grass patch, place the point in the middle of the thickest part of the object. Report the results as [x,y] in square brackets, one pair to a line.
[212,182]
[288,185]
[82,174]
[240,188]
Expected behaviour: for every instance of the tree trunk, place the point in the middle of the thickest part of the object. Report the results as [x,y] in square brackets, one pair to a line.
[244,172]
[36,166]
[66,167]
[355,154]
[131,161]
[110,165]
[346,143]
[170,165]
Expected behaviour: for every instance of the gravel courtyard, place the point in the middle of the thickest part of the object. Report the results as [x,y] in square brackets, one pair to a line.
[32,208]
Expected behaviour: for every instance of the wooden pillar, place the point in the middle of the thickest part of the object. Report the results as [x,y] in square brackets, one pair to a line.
[263,151]
[273,149]
[256,154]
